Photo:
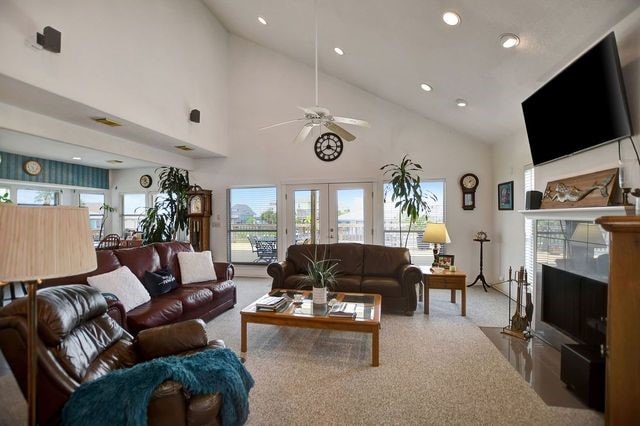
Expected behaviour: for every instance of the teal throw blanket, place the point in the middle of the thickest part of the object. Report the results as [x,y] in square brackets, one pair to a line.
[122,396]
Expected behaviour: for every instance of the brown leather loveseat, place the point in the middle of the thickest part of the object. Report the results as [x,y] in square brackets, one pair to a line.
[78,342]
[361,268]
[203,300]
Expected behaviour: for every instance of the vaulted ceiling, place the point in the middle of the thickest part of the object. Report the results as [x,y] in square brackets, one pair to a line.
[391,47]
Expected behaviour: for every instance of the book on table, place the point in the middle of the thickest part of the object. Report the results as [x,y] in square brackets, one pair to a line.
[270,303]
[343,310]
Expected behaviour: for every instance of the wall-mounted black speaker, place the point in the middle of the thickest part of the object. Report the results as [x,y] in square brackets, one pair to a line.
[533,200]
[50,39]
[195,115]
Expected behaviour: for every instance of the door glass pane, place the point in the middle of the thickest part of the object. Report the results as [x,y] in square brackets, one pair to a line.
[307,216]
[350,207]
[133,209]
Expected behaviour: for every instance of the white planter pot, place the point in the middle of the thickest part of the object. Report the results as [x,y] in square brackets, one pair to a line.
[319,295]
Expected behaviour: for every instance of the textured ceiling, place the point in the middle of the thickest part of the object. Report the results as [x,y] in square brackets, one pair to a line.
[393,46]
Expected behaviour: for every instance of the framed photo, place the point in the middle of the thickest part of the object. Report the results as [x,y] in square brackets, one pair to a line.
[505,196]
[445,260]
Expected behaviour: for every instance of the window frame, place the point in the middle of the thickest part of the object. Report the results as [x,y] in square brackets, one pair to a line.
[99,216]
[123,216]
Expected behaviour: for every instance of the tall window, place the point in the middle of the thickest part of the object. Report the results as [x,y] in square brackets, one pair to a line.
[37,197]
[253,225]
[133,209]
[396,227]
[93,202]
[529,238]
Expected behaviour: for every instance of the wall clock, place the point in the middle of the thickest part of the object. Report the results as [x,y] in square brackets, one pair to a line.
[328,147]
[145,181]
[469,183]
[199,212]
[32,167]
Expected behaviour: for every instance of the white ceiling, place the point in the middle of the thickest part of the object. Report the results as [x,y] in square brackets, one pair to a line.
[393,46]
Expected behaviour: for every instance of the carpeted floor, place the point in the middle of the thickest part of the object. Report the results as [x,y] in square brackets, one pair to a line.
[434,369]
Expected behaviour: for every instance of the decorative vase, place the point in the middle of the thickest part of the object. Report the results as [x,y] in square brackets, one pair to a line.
[320,295]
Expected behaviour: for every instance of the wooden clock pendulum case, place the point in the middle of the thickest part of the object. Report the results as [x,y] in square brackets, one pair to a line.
[199,213]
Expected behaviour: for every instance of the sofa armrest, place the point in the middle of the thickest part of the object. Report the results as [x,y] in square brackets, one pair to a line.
[115,309]
[172,339]
[409,275]
[279,271]
[224,270]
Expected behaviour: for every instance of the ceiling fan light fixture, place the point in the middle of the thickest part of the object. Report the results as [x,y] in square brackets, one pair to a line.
[338,51]
[262,20]
[509,40]
[461,103]
[426,87]
[451,18]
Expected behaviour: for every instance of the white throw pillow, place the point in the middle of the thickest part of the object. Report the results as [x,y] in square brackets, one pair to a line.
[196,267]
[124,285]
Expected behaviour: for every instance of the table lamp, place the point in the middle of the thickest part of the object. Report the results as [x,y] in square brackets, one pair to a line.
[588,233]
[39,243]
[436,233]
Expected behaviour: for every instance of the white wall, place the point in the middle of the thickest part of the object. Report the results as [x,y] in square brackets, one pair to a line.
[512,154]
[145,61]
[265,87]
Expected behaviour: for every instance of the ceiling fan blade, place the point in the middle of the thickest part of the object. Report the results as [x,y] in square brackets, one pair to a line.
[339,131]
[304,132]
[283,123]
[353,121]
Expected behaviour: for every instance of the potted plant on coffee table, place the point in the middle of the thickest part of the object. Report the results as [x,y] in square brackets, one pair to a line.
[321,275]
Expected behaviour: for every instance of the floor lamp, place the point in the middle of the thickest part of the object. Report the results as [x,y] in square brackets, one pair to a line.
[436,233]
[39,243]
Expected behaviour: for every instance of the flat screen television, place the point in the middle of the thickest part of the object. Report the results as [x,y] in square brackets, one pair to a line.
[582,107]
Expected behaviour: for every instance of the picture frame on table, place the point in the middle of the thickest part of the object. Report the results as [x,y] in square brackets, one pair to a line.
[505,196]
[445,260]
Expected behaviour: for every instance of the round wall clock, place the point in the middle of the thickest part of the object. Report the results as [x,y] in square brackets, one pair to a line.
[145,181]
[32,167]
[328,147]
[469,183]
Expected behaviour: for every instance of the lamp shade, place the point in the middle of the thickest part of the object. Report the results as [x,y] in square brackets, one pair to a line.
[588,233]
[436,233]
[44,242]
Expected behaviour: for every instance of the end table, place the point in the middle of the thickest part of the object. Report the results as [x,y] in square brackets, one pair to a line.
[445,280]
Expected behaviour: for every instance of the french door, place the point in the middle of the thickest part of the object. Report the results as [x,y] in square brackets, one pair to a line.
[329,213]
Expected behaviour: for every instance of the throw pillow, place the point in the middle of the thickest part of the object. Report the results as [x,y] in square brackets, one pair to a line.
[159,282]
[123,284]
[196,267]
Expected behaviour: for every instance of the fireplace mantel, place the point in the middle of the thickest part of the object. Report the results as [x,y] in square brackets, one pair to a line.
[586,213]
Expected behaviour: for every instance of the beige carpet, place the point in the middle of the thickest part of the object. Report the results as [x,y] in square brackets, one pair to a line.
[435,369]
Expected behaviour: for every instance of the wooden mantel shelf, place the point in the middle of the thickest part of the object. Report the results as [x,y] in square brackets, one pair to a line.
[586,213]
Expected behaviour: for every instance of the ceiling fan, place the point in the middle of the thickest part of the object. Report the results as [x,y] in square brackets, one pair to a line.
[316,116]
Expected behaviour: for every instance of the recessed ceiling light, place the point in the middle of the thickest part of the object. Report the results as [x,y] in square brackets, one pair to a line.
[461,103]
[77,158]
[262,20]
[451,18]
[426,87]
[509,40]
[338,51]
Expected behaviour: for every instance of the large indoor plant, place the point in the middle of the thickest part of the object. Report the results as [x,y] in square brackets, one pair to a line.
[168,215]
[321,274]
[406,191]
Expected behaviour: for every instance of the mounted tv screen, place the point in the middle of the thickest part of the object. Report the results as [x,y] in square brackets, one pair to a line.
[580,108]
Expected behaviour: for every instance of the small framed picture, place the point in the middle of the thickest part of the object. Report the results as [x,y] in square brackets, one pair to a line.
[445,260]
[505,196]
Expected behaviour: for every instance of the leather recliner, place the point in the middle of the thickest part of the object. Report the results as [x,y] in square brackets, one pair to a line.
[78,342]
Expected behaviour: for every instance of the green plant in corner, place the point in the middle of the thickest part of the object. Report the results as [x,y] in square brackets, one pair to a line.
[407,192]
[169,212]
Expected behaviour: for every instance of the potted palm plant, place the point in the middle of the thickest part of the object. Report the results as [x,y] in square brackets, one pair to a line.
[321,275]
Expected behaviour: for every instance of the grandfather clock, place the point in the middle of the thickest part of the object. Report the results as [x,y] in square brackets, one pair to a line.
[199,213]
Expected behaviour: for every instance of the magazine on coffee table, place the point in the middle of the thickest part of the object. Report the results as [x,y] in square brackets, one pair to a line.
[343,310]
[270,303]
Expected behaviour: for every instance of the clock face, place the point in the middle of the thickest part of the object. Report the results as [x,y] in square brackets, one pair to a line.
[32,167]
[196,204]
[328,147]
[469,181]
[145,181]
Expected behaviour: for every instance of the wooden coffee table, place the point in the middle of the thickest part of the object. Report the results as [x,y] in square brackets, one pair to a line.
[308,315]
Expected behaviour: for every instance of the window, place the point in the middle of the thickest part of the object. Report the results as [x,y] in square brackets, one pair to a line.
[394,229]
[133,209]
[38,197]
[253,220]
[94,203]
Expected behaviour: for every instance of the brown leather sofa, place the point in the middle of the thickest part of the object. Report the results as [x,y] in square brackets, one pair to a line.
[361,268]
[78,342]
[203,300]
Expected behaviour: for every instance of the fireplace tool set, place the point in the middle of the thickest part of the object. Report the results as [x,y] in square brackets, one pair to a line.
[519,324]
